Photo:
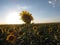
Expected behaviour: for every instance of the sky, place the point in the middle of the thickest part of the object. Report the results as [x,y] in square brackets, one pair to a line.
[43,11]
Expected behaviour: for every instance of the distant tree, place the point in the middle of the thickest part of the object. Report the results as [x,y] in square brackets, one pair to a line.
[26,17]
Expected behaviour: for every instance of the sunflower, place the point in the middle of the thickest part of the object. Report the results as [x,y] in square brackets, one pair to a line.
[14,29]
[12,32]
[38,33]
[35,28]
[11,38]
[50,30]
[21,33]
[58,30]
[1,31]
[55,36]
[5,30]
[59,26]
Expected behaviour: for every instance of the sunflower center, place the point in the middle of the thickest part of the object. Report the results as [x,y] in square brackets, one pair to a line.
[11,38]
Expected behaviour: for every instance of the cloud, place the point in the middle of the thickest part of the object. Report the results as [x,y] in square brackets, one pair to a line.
[19,8]
[54,3]
[22,7]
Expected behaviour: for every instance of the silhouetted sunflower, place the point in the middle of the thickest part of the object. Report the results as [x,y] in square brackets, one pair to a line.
[11,38]
[26,17]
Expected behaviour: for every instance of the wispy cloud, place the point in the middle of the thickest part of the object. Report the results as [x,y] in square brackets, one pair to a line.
[23,7]
[54,3]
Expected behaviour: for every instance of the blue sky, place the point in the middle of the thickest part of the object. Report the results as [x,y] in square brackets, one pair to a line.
[43,11]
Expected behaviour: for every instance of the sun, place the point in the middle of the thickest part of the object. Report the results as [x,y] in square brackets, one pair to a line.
[13,18]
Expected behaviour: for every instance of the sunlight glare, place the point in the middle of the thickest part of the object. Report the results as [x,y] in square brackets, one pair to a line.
[13,18]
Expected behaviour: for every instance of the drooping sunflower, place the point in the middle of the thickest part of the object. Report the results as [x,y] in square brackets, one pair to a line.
[26,17]
[11,38]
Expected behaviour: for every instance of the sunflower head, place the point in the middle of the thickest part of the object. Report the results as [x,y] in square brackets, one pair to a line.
[59,26]
[39,33]
[11,38]
[26,17]
[50,30]
[35,28]
[21,32]
[1,32]
[58,30]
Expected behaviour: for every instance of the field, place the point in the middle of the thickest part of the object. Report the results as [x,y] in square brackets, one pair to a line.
[30,34]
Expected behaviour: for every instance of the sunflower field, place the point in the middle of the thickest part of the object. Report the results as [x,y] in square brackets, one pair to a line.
[30,34]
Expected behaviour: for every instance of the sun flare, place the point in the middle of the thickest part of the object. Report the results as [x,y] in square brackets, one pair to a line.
[13,18]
